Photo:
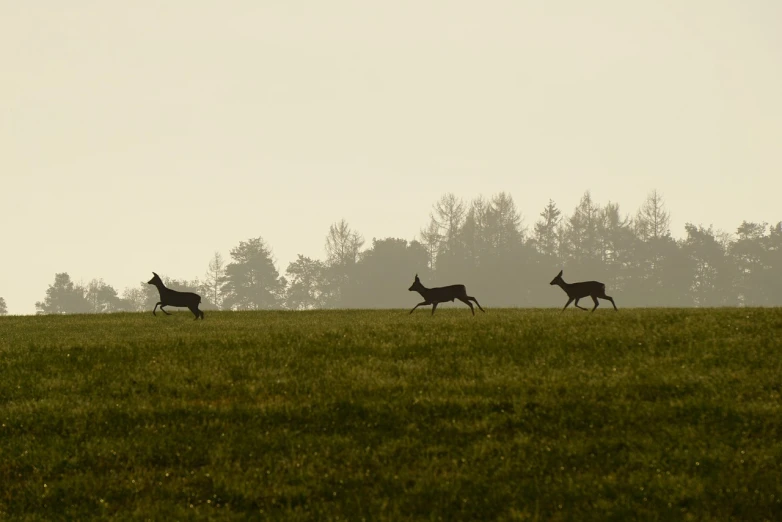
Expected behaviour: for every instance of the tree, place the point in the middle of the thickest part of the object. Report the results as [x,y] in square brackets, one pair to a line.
[140,298]
[385,272]
[714,278]
[773,281]
[652,221]
[3,307]
[430,239]
[63,297]
[753,253]
[582,235]
[306,288]
[617,246]
[457,230]
[472,243]
[546,237]
[215,275]
[103,298]
[252,282]
[342,244]
[448,213]
[505,225]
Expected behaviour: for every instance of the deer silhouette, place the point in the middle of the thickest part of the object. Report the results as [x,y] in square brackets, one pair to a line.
[576,291]
[435,296]
[170,297]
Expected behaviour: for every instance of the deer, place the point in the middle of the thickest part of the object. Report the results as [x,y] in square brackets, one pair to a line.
[435,296]
[576,291]
[170,297]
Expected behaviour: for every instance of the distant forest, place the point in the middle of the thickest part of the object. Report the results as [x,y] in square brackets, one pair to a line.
[483,244]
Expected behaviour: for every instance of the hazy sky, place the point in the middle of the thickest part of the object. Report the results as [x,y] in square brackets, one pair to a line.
[140,136]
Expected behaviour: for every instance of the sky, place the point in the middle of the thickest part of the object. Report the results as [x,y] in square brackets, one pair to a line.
[141,136]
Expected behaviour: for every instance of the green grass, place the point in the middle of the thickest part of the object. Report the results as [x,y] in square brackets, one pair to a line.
[378,415]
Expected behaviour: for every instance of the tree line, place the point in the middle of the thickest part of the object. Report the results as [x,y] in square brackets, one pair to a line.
[482,243]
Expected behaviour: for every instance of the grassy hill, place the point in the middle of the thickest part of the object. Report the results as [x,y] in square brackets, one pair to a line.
[661,414]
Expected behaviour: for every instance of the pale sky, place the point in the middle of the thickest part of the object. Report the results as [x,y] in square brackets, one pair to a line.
[140,136]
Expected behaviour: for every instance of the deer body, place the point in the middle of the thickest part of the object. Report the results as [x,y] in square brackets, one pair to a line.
[170,297]
[435,296]
[576,291]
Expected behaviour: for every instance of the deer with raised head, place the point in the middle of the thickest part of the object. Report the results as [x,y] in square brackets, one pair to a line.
[576,291]
[170,297]
[435,296]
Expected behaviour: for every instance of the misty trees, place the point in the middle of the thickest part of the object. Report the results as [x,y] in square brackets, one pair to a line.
[652,221]
[757,253]
[343,245]
[712,280]
[385,271]
[3,307]
[63,297]
[252,282]
[582,236]
[137,298]
[102,298]
[546,232]
[482,243]
[305,284]
[215,277]
[430,239]
[448,213]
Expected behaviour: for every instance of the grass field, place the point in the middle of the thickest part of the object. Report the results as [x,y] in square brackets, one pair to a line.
[378,415]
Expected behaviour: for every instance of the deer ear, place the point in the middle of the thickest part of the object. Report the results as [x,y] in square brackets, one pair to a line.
[560,273]
[154,274]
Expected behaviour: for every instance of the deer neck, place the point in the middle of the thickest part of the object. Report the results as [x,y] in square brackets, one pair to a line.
[423,291]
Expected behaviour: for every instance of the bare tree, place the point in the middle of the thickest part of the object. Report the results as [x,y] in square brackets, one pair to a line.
[431,238]
[343,244]
[652,221]
[449,213]
[215,277]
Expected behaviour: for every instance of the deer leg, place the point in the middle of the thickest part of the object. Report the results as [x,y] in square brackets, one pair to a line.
[153,310]
[596,303]
[416,306]
[465,301]
[576,304]
[196,312]
[162,310]
[476,302]
[434,307]
[568,302]
[612,301]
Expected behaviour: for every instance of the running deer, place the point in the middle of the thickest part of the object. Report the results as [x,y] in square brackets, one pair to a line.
[435,296]
[576,291]
[170,297]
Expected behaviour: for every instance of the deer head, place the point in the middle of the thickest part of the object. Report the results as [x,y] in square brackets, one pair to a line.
[155,280]
[557,279]
[417,286]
